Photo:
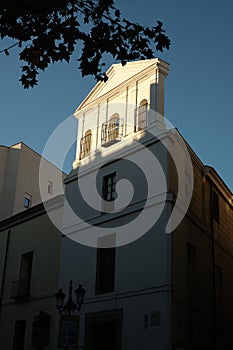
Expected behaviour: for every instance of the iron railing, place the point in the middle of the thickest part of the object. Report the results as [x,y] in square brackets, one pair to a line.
[85,146]
[20,288]
[141,117]
[111,131]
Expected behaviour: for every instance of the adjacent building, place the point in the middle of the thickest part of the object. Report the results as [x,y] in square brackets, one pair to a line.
[29,248]
[29,271]
[19,179]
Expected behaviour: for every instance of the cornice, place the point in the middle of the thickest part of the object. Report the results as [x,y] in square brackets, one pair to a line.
[210,172]
[157,65]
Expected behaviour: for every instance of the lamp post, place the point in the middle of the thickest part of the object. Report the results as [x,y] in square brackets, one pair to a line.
[70,306]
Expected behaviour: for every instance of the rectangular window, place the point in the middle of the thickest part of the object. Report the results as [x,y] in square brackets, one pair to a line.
[85,145]
[21,287]
[27,200]
[105,264]
[109,187]
[25,274]
[50,187]
[215,207]
[19,335]
[141,116]
[41,330]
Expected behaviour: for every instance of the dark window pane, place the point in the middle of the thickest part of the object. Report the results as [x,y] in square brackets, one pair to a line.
[27,200]
[19,335]
[105,270]
[25,274]
[105,264]
[109,187]
[41,330]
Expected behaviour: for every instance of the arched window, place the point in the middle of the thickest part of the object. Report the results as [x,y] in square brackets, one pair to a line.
[113,127]
[142,114]
[85,144]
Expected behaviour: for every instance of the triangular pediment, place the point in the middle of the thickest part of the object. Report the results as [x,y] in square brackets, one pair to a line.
[117,74]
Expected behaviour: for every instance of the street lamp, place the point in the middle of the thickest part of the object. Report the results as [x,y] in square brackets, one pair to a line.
[70,306]
[80,294]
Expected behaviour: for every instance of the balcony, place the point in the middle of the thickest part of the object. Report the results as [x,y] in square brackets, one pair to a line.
[111,131]
[20,288]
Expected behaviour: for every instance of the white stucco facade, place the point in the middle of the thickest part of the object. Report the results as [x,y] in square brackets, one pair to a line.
[140,300]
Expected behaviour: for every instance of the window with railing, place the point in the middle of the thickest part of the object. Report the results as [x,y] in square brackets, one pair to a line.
[85,145]
[141,116]
[20,288]
[112,130]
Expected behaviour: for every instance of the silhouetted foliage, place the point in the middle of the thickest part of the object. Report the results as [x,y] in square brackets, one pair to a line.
[49,31]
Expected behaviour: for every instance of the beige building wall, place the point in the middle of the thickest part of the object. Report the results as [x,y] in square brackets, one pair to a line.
[29,231]
[8,180]
[19,177]
[202,265]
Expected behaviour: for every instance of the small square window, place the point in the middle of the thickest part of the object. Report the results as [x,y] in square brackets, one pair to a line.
[50,187]
[27,200]
[109,187]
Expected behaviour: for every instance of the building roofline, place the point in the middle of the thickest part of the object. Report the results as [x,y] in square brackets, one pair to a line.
[32,212]
[154,61]
[217,180]
[24,144]
[209,171]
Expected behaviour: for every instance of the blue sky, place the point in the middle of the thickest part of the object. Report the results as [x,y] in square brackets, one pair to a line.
[199,87]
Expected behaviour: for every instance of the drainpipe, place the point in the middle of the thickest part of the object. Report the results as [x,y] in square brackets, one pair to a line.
[206,172]
[4,268]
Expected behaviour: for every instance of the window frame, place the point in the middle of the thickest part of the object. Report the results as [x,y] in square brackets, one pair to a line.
[85,144]
[50,187]
[105,264]
[109,188]
[27,202]
[26,258]
[141,116]
[19,334]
